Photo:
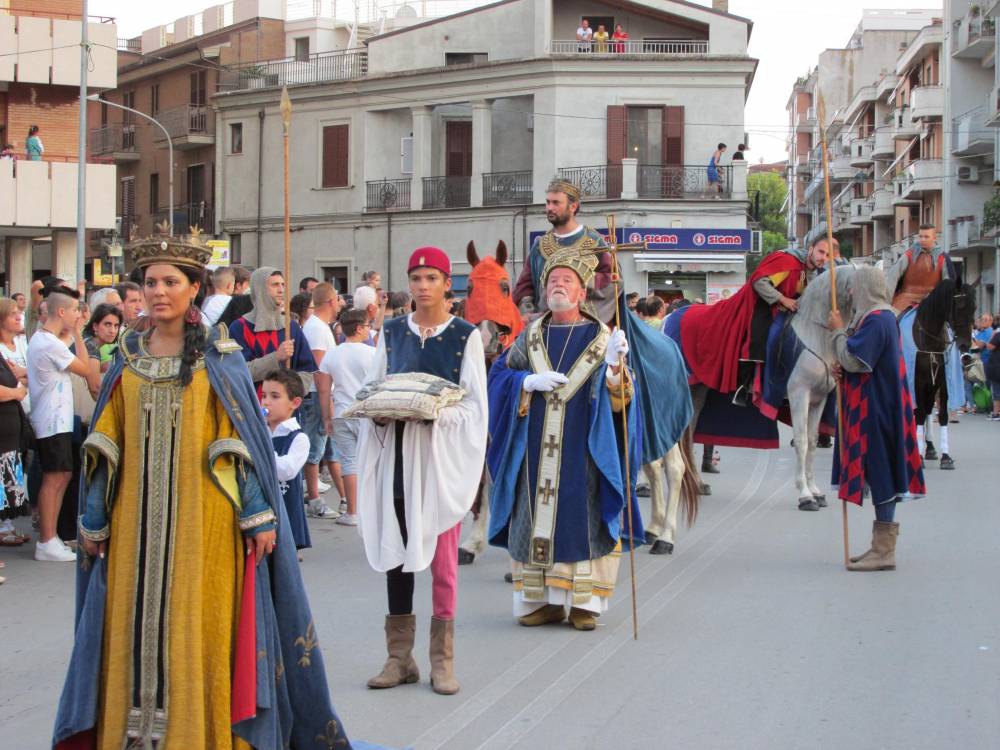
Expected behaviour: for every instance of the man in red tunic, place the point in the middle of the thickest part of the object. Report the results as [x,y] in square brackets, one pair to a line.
[725,342]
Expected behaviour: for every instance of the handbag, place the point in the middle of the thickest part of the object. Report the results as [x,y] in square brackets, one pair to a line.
[405,396]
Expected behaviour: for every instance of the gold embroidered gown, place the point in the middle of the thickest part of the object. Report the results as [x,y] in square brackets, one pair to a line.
[175,561]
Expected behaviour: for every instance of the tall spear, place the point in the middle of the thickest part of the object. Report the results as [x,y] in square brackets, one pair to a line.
[286,121]
[834,256]
[613,247]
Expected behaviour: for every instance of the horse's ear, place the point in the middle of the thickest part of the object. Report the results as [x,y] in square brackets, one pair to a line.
[501,253]
[471,254]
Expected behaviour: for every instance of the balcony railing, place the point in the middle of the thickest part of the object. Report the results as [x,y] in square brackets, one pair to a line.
[682,182]
[641,47]
[388,195]
[200,214]
[342,65]
[447,192]
[971,133]
[507,188]
[188,119]
[112,139]
[130,45]
[600,181]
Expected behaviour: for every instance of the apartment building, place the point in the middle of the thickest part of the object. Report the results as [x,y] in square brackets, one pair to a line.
[449,130]
[40,85]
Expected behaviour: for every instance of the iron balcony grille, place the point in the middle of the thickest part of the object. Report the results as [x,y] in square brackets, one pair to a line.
[507,188]
[599,181]
[683,182]
[342,65]
[387,195]
[639,47]
[447,192]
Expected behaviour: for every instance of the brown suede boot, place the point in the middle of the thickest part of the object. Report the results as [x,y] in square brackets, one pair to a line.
[882,555]
[443,679]
[400,668]
[550,613]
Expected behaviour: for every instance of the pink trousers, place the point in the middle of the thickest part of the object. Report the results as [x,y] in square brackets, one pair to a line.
[444,572]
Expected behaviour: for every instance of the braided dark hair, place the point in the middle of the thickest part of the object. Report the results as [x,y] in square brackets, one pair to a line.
[195,334]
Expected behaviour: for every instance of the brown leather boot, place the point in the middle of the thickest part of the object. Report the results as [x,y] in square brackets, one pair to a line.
[882,555]
[443,679]
[400,668]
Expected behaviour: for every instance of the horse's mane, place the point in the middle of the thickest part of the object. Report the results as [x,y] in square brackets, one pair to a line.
[809,323]
[935,309]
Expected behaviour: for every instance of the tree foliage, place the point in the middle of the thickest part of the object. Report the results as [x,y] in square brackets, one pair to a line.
[771,188]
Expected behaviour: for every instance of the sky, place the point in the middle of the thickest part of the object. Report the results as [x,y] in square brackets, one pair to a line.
[787,38]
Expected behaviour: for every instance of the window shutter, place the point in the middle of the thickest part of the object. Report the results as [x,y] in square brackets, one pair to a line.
[406,155]
[617,130]
[673,136]
[335,156]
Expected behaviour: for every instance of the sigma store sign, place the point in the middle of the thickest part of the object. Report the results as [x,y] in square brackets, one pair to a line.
[702,240]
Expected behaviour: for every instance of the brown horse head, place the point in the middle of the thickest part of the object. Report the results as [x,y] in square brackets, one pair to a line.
[489,304]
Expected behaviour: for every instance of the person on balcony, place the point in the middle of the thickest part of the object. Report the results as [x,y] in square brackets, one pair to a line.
[33,145]
[601,39]
[621,37]
[714,178]
[584,35]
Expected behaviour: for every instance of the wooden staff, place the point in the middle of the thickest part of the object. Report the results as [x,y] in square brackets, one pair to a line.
[834,255]
[612,247]
[286,121]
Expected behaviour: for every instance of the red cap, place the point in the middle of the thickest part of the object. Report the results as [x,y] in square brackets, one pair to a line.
[430,257]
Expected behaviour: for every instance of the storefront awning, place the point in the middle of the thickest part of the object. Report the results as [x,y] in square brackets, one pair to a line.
[685,262]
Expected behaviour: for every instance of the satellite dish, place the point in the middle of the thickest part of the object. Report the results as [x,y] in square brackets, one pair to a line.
[406,11]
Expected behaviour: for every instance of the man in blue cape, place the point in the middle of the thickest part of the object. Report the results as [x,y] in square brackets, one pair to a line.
[556,454]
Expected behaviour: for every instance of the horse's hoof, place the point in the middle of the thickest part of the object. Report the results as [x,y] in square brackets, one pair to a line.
[820,500]
[662,548]
[465,557]
[709,469]
[650,537]
[824,441]
[931,453]
[704,489]
[807,503]
[508,577]
[947,462]
[642,491]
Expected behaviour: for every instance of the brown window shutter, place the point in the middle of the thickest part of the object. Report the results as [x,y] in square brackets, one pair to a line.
[673,136]
[335,155]
[617,132]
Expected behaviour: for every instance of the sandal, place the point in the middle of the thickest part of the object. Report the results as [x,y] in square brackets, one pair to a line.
[11,539]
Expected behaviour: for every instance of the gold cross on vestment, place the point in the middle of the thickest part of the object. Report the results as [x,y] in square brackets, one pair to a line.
[547,492]
[551,446]
[556,401]
[592,355]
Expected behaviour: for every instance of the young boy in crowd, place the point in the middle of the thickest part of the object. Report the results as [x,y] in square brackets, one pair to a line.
[281,394]
[223,282]
[345,366]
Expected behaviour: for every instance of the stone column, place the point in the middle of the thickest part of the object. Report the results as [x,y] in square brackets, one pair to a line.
[482,147]
[630,179]
[422,152]
[18,265]
[739,175]
[64,257]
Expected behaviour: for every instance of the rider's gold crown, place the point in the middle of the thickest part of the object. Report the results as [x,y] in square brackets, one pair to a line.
[188,251]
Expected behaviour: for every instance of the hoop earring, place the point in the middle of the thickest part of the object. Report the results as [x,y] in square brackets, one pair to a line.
[193,315]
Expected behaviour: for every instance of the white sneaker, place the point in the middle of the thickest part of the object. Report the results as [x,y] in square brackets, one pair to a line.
[323,486]
[53,551]
[318,509]
[348,519]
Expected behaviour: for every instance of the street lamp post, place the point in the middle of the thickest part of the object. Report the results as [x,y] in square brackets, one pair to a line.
[170,149]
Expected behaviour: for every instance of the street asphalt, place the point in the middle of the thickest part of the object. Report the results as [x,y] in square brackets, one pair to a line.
[751,635]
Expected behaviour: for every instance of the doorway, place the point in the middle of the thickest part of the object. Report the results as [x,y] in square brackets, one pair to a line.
[458,148]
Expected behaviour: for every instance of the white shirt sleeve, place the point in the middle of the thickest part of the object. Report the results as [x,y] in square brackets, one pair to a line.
[214,307]
[472,378]
[292,462]
[59,355]
[380,363]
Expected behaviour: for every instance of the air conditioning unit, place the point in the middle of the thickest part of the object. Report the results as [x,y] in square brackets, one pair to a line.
[968,173]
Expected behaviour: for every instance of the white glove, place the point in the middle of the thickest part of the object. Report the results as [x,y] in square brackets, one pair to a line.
[617,348]
[544,381]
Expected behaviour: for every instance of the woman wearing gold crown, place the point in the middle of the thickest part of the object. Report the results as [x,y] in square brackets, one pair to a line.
[193,628]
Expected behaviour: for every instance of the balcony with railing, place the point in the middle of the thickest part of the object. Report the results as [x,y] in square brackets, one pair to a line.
[680,182]
[927,103]
[597,182]
[881,204]
[116,141]
[861,152]
[917,179]
[322,67]
[447,192]
[190,126]
[507,188]
[973,36]
[200,214]
[971,135]
[654,48]
[133,45]
[969,236]
[883,145]
[37,197]
[387,195]
[860,212]
[903,128]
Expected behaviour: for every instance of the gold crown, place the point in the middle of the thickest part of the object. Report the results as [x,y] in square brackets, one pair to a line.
[583,265]
[187,251]
[564,186]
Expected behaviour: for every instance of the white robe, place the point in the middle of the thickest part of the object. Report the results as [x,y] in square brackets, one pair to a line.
[444,463]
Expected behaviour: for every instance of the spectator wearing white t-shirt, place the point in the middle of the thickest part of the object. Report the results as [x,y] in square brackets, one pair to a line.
[346,368]
[319,334]
[223,284]
[584,35]
[50,363]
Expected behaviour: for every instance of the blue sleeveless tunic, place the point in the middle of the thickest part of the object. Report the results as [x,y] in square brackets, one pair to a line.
[291,493]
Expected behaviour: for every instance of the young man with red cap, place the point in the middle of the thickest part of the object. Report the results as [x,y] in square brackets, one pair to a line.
[415,484]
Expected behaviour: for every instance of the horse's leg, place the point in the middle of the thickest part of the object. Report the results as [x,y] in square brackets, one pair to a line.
[798,402]
[815,414]
[698,395]
[657,501]
[476,541]
[947,462]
